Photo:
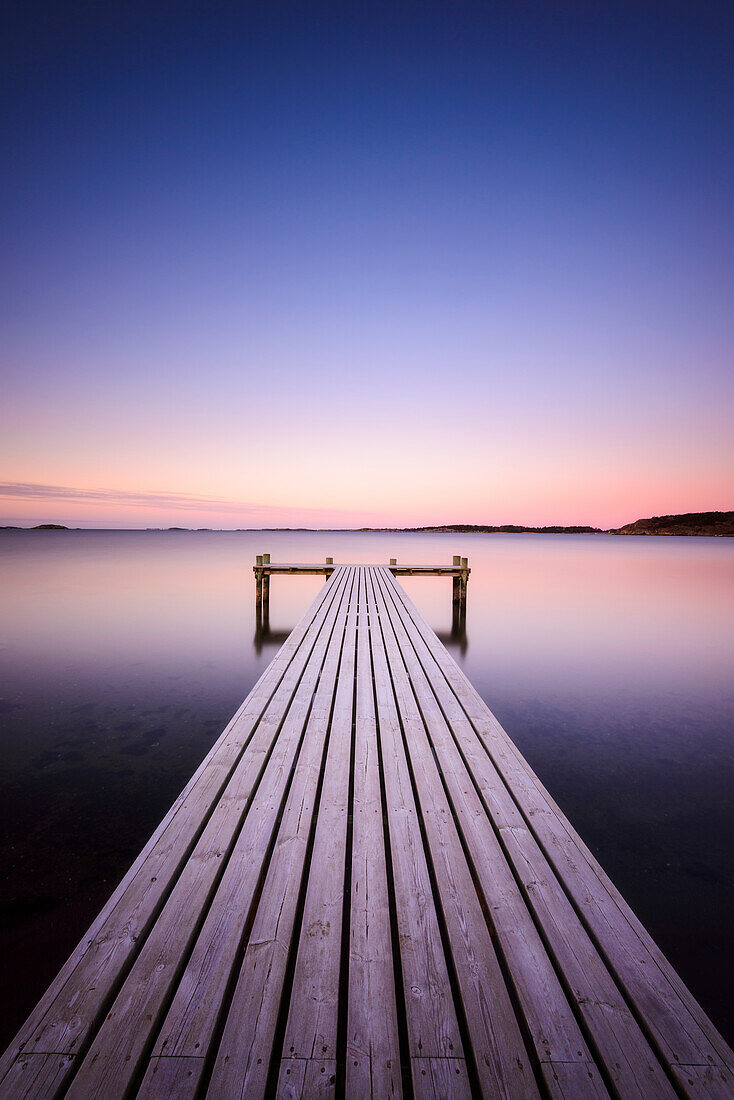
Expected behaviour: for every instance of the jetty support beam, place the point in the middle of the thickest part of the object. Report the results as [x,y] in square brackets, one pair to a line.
[459,572]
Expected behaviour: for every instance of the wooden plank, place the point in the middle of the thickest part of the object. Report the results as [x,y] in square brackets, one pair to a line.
[432,1027]
[243,1057]
[571,1079]
[712,1082]
[170,1078]
[678,1027]
[33,1075]
[307,1079]
[619,1041]
[549,1018]
[304,570]
[446,1077]
[426,571]
[503,1065]
[129,1027]
[373,1048]
[74,1002]
[192,1018]
[311,1027]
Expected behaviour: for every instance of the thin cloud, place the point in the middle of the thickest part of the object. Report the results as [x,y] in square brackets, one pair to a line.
[31,491]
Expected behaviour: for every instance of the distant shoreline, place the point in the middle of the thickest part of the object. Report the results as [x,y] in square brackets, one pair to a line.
[687,523]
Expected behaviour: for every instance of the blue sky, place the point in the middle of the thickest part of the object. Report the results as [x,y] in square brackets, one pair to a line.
[390,263]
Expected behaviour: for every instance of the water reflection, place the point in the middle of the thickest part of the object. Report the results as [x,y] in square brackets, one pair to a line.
[124,654]
[456,638]
[264,636]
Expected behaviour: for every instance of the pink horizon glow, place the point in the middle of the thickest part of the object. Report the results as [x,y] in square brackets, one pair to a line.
[27,505]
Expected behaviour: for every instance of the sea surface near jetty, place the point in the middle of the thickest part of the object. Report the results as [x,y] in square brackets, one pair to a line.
[609,661]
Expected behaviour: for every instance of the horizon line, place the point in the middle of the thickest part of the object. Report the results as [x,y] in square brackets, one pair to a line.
[431,528]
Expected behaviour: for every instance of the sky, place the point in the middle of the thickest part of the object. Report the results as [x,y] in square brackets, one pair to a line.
[366,264]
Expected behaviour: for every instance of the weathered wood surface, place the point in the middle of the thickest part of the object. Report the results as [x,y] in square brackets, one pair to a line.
[365,891]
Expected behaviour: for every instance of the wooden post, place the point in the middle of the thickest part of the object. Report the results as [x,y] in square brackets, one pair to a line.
[464,582]
[258,589]
[266,589]
[329,561]
[456,586]
[393,561]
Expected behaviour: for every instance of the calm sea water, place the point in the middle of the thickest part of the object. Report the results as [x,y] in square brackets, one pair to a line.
[608,660]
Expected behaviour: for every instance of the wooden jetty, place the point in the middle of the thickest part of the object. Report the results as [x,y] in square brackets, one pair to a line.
[364,891]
